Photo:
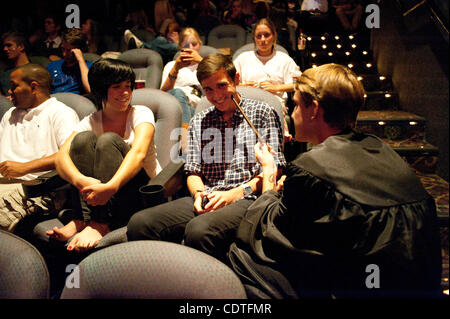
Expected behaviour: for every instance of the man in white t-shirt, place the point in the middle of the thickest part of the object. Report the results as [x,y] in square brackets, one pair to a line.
[30,136]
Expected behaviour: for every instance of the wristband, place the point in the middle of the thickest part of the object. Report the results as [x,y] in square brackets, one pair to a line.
[172,77]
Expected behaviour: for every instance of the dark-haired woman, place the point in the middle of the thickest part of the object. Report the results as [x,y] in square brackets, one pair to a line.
[108,157]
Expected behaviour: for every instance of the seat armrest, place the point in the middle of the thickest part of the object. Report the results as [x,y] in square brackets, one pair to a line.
[48,182]
[171,178]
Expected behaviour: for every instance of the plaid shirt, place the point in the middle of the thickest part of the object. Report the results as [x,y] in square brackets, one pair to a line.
[224,157]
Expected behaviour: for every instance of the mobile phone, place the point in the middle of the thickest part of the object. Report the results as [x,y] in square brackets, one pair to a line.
[205,201]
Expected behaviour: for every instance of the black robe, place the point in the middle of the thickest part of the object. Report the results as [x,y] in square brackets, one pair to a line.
[353,220]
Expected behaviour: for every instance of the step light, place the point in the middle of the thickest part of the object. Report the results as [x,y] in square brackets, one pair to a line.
[324,46]
[369,65]
[336,37]
[350,65]
[382,78]
[365,96]
[446,292]
[365,52]
[314,66]
[330,53]
[313,54]
[359,78]
[387,95]
[353,46]
[351,37]
[412,123]
[347,53]
[381,123]
[323,38]
[309,38]
[339,46]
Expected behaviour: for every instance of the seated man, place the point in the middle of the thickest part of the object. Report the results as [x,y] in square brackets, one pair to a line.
[30,135]
[353,219]
[220,167]
[49,43]
[15,48]
[71,73]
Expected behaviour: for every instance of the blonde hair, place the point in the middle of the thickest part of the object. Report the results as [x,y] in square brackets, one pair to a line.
[187,32]
[336,89]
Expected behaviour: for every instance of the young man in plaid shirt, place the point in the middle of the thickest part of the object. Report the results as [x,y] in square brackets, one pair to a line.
[220,165]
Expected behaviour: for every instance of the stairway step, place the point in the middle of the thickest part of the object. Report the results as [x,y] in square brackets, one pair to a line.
[381,100]
[392,125]
[376,83]
[420,156]
[438,188]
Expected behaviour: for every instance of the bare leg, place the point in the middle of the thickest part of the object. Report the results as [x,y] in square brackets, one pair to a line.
[67,231]
[89,237]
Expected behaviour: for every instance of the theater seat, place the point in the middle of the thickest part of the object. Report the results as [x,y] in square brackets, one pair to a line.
[23,271]
[154,270]
[227,36]
[147,64]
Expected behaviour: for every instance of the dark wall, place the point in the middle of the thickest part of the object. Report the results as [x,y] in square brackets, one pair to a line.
[413,51]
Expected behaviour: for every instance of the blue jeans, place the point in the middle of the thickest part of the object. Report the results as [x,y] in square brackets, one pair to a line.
[188,110]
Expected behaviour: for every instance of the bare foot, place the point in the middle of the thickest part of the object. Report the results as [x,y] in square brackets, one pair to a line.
[89,237]
[67,231]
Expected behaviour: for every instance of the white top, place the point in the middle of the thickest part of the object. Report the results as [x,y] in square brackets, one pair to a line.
[138,114]
[186,77]
[34,133]
[278,68]
[308,5]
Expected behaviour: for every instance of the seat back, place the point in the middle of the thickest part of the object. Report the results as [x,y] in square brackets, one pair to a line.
[251,47]
[227,36]
[167,111]
[41,60]
[204,51]
[5,105]
[92,57]
[154,270]
[254,94]
[204,24]
[23,271]
[147,65]
[82,105]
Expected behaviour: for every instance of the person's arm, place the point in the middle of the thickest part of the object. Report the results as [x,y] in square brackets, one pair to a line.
[186,58]
[83,70]
[67,169]
[99,194]
[274,88]
[12,169]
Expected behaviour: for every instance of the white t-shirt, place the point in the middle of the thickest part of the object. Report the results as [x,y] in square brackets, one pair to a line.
[186,77]
[138,114]
[34,133]
[308,5]
[278,68]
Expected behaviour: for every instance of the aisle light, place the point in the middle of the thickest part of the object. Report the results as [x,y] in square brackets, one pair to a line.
[322,38]
[387,95]
[339,46]
[365,52]
[359,78]
[324,46]
[347,53]
[382,78]
[313,54]
[314,66]
[381,123]
[351,37]
[412,123]
[350,65]
[353,45]
[330,53]
[309,38]
[369,65]
[336,37]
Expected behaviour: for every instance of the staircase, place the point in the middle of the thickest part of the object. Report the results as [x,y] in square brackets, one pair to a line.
[383,116]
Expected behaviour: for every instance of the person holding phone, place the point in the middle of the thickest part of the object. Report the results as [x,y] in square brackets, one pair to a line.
[71,73]
[179,77]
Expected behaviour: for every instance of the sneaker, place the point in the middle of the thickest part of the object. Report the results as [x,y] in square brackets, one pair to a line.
[128,36]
